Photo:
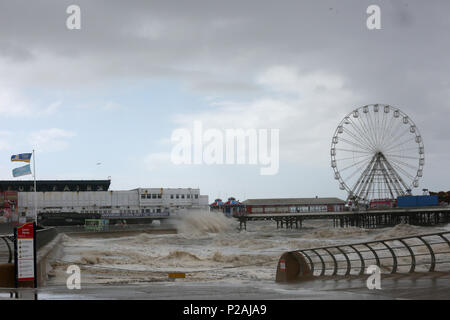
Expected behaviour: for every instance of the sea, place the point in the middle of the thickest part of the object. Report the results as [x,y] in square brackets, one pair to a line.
[207,248]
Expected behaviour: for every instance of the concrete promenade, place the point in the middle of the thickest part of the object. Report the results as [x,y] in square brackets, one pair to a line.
[433,286]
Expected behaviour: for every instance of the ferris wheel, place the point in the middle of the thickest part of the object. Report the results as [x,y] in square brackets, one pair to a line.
[377,152]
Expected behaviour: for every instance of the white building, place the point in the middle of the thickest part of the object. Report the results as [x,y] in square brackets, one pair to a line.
[136,202]
[94,197]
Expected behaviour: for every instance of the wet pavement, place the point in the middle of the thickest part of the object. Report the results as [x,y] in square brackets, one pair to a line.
[435,286]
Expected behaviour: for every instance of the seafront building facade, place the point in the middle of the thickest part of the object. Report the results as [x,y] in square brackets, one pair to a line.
[94,196]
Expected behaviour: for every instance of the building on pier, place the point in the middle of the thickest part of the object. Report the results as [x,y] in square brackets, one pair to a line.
[294,205]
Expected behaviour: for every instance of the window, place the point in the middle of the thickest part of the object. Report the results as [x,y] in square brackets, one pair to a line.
[154,196]
[196,196]
[149,196]
[178,196]
[142,196]
[182,196]
[159,196]
[188,196]
[171,196]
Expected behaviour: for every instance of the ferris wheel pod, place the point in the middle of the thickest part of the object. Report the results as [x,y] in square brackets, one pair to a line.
[387,109]
[396,113]
[355,114]
[335,140]
[341,186]
[418,139]
[421,162]
[420,173]
[333,163]
[333,151]
[421,150]
[337,176]
[416,183]
[405,120]
[340,129]
[375,108]
[366,109]
[412,129]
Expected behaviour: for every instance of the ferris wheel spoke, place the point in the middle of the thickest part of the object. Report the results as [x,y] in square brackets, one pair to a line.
[388,134]
[397,130]
[403,171]
[400,156]
[386,121]
[411,148]
[380,123]
[398,138]
[362,133]
[354,136]
[372,128]
[367,134]
[404,142]
[348,150]
[358,169]
[396,135]
[404,164]
[351,158]
[353,165]
[355,172]
[355,144]
[389,131]
[393,137]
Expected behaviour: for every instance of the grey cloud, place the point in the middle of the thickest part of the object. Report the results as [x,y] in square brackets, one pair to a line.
[222,46]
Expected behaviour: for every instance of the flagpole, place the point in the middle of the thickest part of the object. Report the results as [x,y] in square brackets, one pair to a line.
[35,191]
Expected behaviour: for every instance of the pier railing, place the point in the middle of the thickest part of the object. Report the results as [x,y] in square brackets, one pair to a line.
[408,254]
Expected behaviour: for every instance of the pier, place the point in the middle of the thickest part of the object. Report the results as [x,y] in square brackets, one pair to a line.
[424,216]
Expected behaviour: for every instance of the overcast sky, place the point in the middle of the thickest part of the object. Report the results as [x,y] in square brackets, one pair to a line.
[114,91]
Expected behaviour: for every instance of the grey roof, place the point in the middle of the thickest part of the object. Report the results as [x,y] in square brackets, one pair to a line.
[293,201]
[54,185]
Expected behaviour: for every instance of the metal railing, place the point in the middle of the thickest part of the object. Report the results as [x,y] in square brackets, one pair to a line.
[6,248]
[43,236]
[416,253]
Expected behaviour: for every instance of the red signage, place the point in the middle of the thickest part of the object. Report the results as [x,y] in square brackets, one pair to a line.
[26,231]
[25,253]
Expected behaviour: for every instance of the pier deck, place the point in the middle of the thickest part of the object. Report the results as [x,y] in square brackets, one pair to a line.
[361,218]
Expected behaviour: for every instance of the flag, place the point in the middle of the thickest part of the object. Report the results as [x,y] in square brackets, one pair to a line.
[21,171]
[25,157]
